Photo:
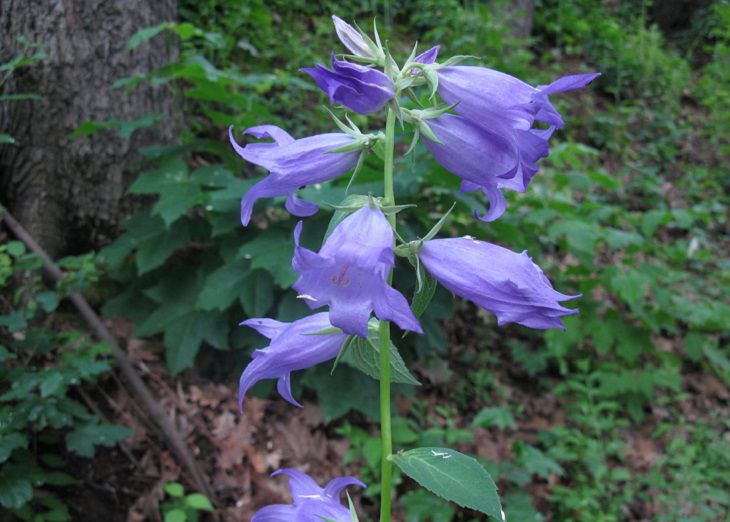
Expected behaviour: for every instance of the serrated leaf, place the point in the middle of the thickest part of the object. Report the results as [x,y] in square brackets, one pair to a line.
[365,356]
[15,488]
[453,476]
[10,442]
[83,439]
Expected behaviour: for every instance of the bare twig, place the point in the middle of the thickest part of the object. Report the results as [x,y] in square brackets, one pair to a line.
[179,447]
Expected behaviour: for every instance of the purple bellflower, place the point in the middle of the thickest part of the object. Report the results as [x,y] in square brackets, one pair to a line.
[292,164]
[429,56]
[310,502]
[291,349]
[351,38]
[507,284]
[499,112]
[485,157]
[350,274]
[481,92]
[362,89]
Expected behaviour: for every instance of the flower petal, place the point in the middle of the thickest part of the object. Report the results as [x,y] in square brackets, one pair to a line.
[300,484]
[300,207]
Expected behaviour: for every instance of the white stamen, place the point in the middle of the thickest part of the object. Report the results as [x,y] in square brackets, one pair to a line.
[307,297]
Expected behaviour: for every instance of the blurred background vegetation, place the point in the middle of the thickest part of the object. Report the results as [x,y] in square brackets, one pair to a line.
[624,416]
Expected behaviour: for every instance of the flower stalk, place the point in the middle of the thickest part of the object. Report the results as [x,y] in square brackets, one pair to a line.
[386,467]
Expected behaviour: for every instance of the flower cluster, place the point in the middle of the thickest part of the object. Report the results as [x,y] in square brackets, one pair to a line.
[490,130]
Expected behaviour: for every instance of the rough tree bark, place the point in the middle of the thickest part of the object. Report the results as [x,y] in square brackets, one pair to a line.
[68,193]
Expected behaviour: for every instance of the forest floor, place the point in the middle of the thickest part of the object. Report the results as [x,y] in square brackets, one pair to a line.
[239,452]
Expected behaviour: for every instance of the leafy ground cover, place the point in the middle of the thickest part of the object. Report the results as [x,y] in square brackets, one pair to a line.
[622,417]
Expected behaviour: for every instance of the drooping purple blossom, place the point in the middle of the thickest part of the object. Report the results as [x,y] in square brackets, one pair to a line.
[292,164]
[350,274]
[291,349]
[428,56]
[310,502]
[362,89]
[506,283]
[351,38]
[482,92]
[485,157]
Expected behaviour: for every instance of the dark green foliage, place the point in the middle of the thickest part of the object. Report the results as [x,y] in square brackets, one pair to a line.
[43,425]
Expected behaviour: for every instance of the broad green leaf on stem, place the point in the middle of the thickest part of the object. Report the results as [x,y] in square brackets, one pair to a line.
[423,295]
[365,356]
[453,476]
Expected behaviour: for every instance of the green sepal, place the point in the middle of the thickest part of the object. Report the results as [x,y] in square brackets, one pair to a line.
[440,223]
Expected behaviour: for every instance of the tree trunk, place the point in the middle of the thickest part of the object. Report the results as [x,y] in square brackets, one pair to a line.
[69,193]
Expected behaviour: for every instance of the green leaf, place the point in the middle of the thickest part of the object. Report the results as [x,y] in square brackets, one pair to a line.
[175,515]
[365,356]
[423,295]
[351,506]
[146,34]
[223,286]
[174,489]
[83,439]
[496,417]
[6,138]
[453,476]
[10,442]
[184,336]
[153,252]
[257,293]
[271,252]
[15,487]
[421,505]
[198,501]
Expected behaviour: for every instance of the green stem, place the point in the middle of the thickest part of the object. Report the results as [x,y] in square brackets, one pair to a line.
[386,467]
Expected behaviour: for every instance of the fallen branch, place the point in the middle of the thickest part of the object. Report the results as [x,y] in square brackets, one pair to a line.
[179,447]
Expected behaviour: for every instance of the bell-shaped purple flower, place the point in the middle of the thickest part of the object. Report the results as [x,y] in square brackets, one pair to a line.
[485,157]
[310,502]
[292,348]
[292,164]
[362,89]
[507,284]
[350,274]
[351,38]
[482,92]
[428,56]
